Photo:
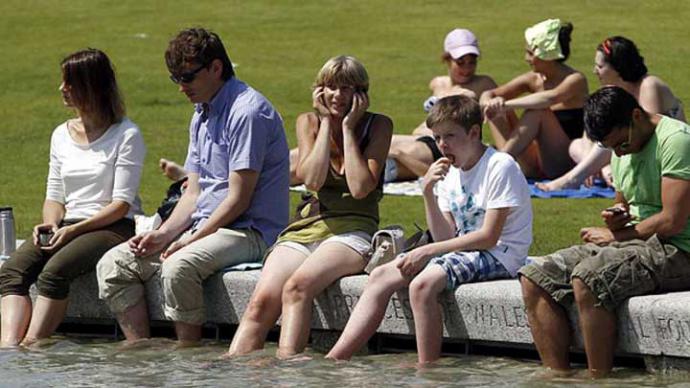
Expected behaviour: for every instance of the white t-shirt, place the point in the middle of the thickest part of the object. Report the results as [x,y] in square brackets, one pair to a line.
[496,181]
[86,178]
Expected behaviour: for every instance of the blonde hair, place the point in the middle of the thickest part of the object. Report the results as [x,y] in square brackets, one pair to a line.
[343,70]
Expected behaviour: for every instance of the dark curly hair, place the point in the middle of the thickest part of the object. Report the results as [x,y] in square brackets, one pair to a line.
[622,54]
[564,40]
[197,46]
[606,109]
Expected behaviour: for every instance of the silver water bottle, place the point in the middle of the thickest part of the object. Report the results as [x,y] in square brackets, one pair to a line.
[7,235]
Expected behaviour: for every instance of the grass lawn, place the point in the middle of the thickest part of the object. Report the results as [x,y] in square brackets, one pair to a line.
[278,47]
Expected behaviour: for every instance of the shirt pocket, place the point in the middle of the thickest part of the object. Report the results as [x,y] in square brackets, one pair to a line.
[219,160]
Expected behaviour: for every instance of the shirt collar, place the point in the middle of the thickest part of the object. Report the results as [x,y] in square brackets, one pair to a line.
[218,102]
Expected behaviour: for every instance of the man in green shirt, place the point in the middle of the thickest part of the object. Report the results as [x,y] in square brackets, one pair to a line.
[642,250]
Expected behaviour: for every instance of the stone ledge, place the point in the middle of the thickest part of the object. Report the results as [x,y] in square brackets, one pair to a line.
[493,312]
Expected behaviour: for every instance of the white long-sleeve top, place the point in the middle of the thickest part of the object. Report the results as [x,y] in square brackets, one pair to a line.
[86,178]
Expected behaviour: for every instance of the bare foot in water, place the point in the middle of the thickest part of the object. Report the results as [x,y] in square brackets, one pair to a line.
[172,170]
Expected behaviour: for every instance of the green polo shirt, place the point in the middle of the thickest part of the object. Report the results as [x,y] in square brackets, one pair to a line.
[638,176]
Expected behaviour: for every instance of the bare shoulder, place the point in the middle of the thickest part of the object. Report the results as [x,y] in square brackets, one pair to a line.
[440,83]
[652,83]
[307,123]
[484,83]
[531,78]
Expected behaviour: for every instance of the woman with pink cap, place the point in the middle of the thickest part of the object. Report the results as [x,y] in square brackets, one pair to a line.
[553,114]
[411,155]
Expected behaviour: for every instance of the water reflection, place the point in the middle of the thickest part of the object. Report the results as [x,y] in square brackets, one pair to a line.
[156,363]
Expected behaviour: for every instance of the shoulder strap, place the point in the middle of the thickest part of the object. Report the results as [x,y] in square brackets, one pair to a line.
[364,141]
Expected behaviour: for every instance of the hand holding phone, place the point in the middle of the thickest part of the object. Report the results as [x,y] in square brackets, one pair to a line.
[615,210]
[616,217]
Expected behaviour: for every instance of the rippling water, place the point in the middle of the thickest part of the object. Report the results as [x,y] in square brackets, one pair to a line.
[70,362]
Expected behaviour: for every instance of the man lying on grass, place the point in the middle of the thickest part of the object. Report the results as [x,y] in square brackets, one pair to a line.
[643,249]
[479,213]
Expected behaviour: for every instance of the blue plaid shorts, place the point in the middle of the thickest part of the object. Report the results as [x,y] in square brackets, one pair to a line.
[470,266]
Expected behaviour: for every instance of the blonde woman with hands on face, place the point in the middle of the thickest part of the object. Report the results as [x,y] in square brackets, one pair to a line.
[342,151]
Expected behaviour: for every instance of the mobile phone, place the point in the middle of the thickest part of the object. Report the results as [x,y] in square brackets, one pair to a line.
[615,210]
[44,236]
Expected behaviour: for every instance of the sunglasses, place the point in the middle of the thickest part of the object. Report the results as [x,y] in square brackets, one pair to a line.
[187,77]
[622,146]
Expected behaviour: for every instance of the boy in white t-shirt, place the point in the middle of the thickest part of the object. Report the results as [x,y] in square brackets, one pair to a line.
[480,216]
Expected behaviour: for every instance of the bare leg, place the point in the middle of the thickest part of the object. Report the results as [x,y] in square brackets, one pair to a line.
[549,325]
[502,127]
[542,127]
[134,322]
[412,157]
[172,170]
[327,264]
[598,330]
[16,315]
[369,310]
[265,305]
[595,160]
[579,148]
[428,320]
[187,334]
[47,316]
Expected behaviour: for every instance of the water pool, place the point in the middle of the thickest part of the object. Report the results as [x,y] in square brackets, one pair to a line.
[97,362]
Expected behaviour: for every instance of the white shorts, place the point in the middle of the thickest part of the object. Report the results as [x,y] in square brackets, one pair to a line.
[358,241]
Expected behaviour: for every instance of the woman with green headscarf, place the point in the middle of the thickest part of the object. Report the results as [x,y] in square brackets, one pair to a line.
[555,95]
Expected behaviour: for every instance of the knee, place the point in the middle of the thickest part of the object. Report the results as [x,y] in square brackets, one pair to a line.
[582,293]
[116,266]
[381,276]
[175,268]
[377,275]
[297,289]
[577,149]
[52,285]
[13,281]
[422,292]
[177,275]
[260,303]
[531,293]
[534,113]
[105,267]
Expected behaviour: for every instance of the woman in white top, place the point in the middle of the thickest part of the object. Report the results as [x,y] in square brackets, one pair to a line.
[617,62]
[96,161]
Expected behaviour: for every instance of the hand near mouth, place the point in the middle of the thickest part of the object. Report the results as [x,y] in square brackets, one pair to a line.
[436,172]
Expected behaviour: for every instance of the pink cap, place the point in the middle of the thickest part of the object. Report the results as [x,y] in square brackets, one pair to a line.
[460,42]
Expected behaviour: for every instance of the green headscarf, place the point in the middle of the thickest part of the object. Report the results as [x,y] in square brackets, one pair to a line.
[542,39]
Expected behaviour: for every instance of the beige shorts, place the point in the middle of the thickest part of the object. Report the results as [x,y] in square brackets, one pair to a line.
[360,242]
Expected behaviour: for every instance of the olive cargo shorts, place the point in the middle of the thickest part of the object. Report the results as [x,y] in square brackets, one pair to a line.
[613,272]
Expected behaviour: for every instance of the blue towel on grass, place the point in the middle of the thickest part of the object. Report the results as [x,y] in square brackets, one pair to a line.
[599,190]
